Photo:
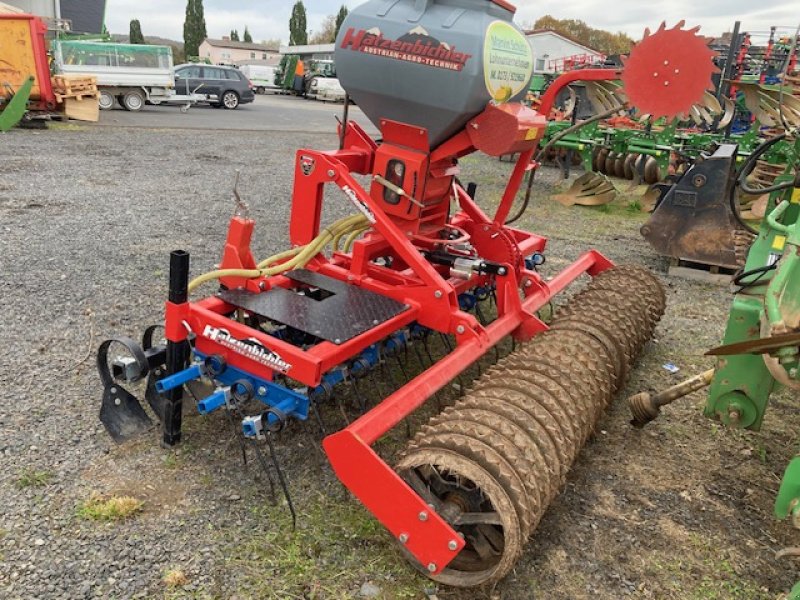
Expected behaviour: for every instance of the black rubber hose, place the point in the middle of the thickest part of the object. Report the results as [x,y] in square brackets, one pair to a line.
[526,200]
[734,204]
[744,172]
[540,153]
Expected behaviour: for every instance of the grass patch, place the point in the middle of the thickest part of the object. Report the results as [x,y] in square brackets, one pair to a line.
[65,126]
[703,573]
[634,206]
[33,478]
[113,508]
[337,546]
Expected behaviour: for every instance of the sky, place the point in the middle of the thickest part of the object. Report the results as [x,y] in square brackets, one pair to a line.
[269,19]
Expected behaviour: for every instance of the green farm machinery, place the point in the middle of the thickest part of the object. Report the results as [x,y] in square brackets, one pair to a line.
[14,104]
[694,222]
[760,354]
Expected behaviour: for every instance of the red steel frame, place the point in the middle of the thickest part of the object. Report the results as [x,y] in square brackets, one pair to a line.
[415,282]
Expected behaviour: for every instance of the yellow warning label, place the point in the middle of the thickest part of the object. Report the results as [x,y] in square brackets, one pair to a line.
[779,242]
[532,133]
[796,196]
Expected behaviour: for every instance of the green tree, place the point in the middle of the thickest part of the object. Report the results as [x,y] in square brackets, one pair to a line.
[135,36]
[272,44]
[340,17]
[234,35]
[177,54]
[246,36]
[194,28]
[298,35]
[326,33]
[597,39]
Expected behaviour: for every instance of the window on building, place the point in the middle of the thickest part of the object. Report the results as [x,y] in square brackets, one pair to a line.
[252,55]
[540,64]
[264,56]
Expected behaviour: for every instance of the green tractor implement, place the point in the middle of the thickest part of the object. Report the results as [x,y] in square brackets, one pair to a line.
[760,354]
[15,104]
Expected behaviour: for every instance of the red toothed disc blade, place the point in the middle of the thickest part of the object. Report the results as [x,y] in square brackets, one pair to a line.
[668,71]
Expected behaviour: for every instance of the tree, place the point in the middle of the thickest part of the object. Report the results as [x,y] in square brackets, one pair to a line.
[177,54]
[234,35]
[272,44]
[247,37]
[194,28]
[326,33]
[135,36]
[340,17]
[597,39]
[298,36]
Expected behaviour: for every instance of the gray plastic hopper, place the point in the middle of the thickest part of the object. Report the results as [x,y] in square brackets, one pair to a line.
[434,64]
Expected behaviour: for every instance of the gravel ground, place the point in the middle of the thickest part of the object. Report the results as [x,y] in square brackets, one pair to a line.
[87,218]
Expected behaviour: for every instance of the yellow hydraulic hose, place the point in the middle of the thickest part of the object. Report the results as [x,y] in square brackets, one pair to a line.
[298,257]
[348,243]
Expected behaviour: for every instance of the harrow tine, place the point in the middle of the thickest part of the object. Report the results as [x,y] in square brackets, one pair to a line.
[362,401]
[405,378]
[393,383]
[237,434]
[265,467]
[437,398]
[483,321]
[342,409]
[449,346]
[318,418]
[281,478]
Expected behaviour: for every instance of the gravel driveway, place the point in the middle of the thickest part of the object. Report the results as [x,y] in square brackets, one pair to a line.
[87,219]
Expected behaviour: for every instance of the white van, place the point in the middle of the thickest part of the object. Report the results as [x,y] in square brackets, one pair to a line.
[261,76]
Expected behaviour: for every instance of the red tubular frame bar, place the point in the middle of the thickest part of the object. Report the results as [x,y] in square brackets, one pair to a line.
[548,99]
[390,499]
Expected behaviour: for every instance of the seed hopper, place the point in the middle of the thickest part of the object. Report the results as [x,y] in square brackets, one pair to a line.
[419,259]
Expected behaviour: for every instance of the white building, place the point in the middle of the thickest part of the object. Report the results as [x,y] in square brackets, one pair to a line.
[555,53]
[312,51]
[229,52]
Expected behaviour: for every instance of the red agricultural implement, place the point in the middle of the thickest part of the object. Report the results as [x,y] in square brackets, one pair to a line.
[419,260]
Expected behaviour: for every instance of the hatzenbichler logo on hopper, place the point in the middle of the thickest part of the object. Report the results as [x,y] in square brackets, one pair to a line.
[415,46]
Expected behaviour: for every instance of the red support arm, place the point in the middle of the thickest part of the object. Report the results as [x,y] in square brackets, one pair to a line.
[374,483]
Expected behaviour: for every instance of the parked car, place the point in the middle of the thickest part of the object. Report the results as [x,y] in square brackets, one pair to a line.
[219,85]
[325,89]
[261,76]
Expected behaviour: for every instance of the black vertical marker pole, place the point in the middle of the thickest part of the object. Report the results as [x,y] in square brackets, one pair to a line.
[177,352]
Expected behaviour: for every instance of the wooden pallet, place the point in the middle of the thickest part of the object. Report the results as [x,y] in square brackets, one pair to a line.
[73,86]
[85,95]
[713,274]
[82,109]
